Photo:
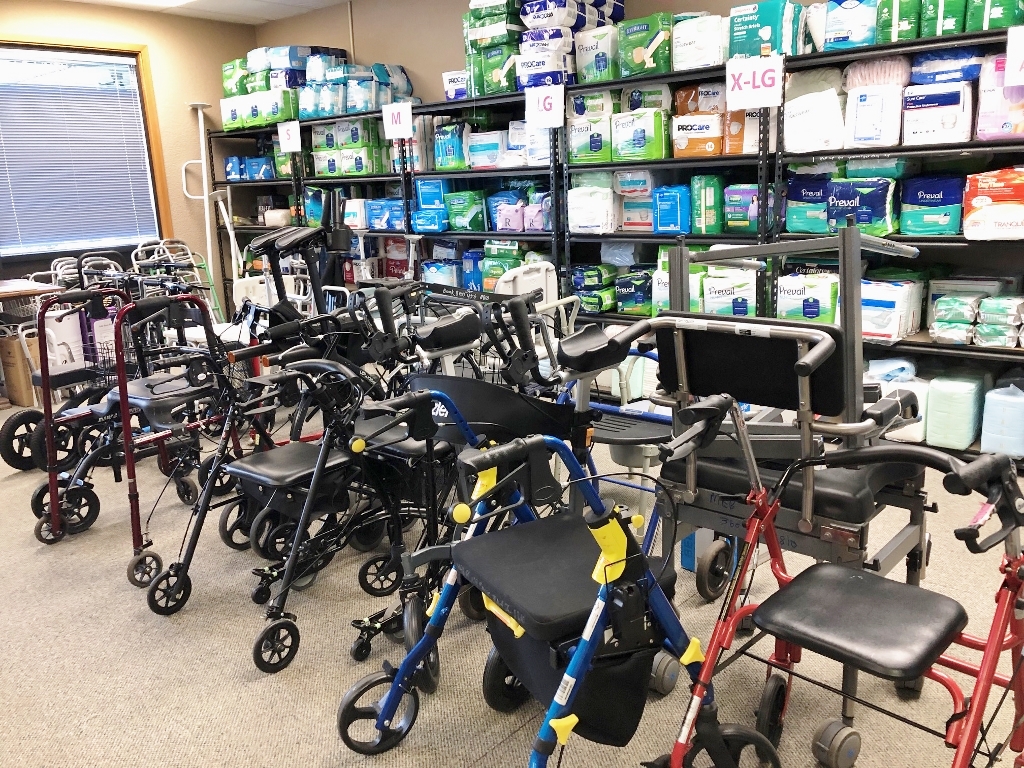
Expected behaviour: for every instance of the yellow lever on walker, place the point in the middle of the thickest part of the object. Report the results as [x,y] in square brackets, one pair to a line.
[612,540]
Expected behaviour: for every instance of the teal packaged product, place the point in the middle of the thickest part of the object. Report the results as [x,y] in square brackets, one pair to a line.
[760,29]
[986,335]
[833,169]
[946,332]
[897,20]
[633,292]
[932,205]
[871,201]
[881,168]
[498,69]
[493,267]
[601,179]
[645,45]
[492,31]
[734,293]
[482,9]
[472,278]
[309,100]
[255,82]
[474,75]
[430,192]
[466,211]
[850,24]
[330,100]
[741,209]
[233,74]
[706,202]
[590,139]
[451,146]
[671,210]
[942,17]
[356,132]
[807,205]
[1001,310]
[599,300]
[957,308]
[430,220]
[640,135]
[597,54]
[593,276]
[993,14]
[313,199]
[442,273]
[812,297]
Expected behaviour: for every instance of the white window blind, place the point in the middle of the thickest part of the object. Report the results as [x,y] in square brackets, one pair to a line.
[74,159]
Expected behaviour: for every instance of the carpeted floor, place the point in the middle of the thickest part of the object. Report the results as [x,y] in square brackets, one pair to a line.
[90,677]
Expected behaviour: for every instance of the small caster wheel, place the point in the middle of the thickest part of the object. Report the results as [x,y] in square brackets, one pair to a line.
[276,646]
[143,568]
[305,581]
[261,594]
[44,532]
[378,578]
[714,569]
[234,524]
[471,603]
[414,619]
[80,508]
[360,650]
[836,745]
[361,704]
[368,537]
[265,520]
[771,710]
[664,673]
[169,592]
[909,689]
[746,625]
[502,690]
[223,483]
[188,491]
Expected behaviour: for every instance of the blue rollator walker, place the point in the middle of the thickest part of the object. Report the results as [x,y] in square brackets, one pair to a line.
[577,610]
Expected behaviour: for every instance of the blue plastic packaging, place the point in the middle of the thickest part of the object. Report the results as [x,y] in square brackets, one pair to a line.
[510,196]
[259,168]
[472,276]
[671,210]
[932,205]
[946,66]
[430,192]
[430,220]
[234,168]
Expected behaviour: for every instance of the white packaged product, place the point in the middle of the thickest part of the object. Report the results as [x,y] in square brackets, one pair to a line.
[959,286]
[592,210]
[874,116]
[814,122]
[743,128]
[597,54]
[515,149]
[454,84]
[940,113]
[553,39]
[633,183]
[355,214]
[538,146]
[594,104]
[558,13]
[536,69]
[487,148]
[1002,428]
[890,310]
[732,293]
[697,42]
[954,411]
[637,214]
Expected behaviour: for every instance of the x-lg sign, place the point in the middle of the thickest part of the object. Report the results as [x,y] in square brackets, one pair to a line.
[754,82]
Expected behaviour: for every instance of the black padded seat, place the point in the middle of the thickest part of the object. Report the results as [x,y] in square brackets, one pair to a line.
[590,349]
[856,617]
[167,389]
[540,573]
[61,379]
[844,495]
[623,429]
[396,440]
[284,467]
[448,332]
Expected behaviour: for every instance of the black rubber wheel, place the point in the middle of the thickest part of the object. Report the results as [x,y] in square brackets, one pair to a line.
[502,690]
[278,543]
[45,534]
[414,619]
[375,578]
[259,532]
[234,524]
[770,711]
[360,650]
[714,569]
[471,603]
[276,646]
[39,502]
[359,709]
[143,568]
[187,490]
[261,594]
[367,538]
[223,483]
[80,508]
[65,438]
[169,592]
[745,745]
[89,439]
[16,436]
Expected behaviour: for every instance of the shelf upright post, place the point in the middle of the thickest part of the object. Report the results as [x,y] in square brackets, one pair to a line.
[851,323]
[297,188]
[555,163]
[565,278]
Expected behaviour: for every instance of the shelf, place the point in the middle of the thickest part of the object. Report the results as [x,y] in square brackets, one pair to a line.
[248,229]
[609,318]
[637,237]
[967,149]
[681,76]
[918,241]
[535,237]
[483,173]
[336,118]
[922,344]
[261,183]
[826,58]
[243,133]
[516,99]
[341,180]
[670,163]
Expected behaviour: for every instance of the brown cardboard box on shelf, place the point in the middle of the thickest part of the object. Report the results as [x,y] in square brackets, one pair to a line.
[17,376]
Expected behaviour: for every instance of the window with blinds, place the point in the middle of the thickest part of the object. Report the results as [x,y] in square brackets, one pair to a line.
[74,158]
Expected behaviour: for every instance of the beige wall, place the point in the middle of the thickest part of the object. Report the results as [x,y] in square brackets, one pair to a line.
[185,57]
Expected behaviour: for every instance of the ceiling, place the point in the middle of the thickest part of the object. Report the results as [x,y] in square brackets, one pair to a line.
[238,11]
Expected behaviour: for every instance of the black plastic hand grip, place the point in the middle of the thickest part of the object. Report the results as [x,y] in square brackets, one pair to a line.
[713,407]
[78,297]
[521,322]
[251,352]
[976,475]
[385,309]
[517,450]
[408,400]
[294,355]
[818,354]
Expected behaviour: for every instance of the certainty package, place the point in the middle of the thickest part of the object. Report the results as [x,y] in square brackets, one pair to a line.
[645,45]
[760,29]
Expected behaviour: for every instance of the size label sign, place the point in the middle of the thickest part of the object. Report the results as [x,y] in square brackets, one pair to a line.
[289,137]
[753,83]
[1014,74]
[545,106]
[397,120]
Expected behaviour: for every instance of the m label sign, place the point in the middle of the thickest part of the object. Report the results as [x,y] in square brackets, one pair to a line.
[397,120]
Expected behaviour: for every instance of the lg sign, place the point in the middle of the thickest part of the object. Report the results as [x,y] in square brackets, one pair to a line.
[754,82]
[545,106]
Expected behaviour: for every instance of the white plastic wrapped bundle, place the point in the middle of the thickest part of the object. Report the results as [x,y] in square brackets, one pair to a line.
[814,122]
[954,411]
[893,70]
[592,210]
[1002,430]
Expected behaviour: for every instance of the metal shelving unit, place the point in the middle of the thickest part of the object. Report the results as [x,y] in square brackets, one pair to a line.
[672,78]
[634,237]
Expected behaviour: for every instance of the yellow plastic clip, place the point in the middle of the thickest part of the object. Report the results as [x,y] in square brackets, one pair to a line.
[692,653]
[563,726]
[357,445]
[433,604]
[612,562]
[484,482]
[637,521]
[461,513]
[507,620]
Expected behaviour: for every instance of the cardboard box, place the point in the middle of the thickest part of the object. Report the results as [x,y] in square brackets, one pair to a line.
[17,376]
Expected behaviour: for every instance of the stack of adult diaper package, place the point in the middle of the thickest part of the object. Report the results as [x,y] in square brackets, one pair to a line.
[458,147]
[994,205]
[350,147]
[988,321]
[522,205]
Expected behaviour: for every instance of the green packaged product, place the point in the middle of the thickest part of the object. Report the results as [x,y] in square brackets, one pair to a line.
[882,167]
[256,82]
[482,9]
[590,139]
[503,249]
[1001,310]
[645,45]
[593,276]
[233,78]
[996,335]
[283,165]
[474,75]
[493,267]
[993,14]
[498,69]
[492,31]
[642,134]
[633,292]
[465,211]
[942,17]
[706,204]
[897,20]
[601,300]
